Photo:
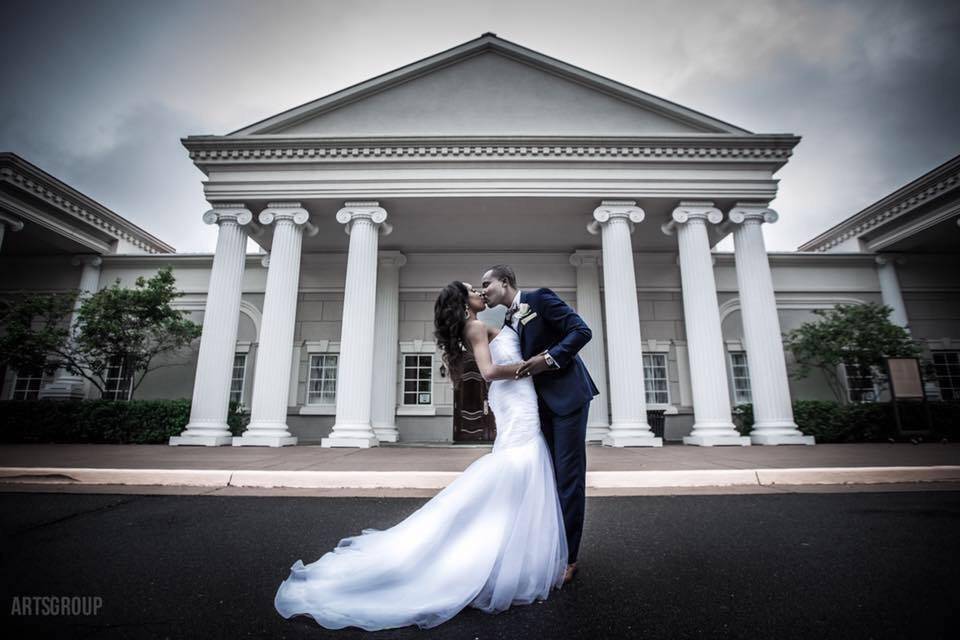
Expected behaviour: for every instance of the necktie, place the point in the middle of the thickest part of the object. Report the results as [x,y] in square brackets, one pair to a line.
[508,319]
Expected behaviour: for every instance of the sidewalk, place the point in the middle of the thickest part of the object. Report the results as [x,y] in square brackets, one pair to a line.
[411,467]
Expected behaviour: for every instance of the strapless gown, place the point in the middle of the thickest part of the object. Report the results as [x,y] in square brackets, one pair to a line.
[492,538]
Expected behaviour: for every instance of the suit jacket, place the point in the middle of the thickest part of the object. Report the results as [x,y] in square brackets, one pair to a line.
[557,329]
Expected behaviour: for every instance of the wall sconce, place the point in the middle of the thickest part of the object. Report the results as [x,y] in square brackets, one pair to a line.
[443,371]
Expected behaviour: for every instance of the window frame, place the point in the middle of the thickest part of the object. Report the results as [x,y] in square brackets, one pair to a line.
[108,391]
[666,378]
[310,368]
[877,388]
[419,348]
[954,389]
[733,377]
[243,376]
[41,380]
[419,368]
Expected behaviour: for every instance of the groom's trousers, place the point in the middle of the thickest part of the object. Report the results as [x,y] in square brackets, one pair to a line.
[565,436]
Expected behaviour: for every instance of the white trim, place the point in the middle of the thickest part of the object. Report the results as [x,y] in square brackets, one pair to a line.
[321,346]
[318,410]
[794,303]
[418,410]
[198,302]
[418,346]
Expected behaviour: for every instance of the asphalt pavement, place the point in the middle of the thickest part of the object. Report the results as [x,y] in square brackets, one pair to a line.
[793,565]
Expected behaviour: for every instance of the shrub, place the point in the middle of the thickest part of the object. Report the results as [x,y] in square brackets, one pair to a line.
[829,421]
[103,421]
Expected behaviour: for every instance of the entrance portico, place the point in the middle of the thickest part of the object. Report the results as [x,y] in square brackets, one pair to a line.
[531,181]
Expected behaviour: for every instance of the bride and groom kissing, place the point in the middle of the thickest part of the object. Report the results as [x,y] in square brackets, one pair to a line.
[507,530]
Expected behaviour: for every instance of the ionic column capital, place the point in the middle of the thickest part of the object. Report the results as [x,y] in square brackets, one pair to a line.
[586,258]
[288,211]
[86,259]
[615,210]
[391,259]
[369,210]
[696,212]
[749,212]
[228,212]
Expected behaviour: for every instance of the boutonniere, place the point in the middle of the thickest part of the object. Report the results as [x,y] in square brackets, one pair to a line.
[525,314]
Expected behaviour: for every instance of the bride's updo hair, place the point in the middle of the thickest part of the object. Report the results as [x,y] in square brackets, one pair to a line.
[448,322]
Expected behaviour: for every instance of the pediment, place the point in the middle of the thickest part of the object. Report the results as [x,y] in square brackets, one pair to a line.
[489,87]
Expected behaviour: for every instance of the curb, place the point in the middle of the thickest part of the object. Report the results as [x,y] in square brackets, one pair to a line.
[440,479]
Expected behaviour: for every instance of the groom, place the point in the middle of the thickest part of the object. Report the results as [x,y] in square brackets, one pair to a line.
[551,334]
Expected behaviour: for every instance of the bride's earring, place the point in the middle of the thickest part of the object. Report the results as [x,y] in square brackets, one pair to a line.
[466,312]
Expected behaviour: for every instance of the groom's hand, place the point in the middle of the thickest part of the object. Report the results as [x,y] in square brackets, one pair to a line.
[533,366]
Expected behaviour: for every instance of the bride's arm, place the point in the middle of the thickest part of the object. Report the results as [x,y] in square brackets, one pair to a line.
[477,336]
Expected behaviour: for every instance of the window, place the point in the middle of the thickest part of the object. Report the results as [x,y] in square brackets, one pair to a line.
[860,384]
[740,374]
[655,378]
[322,379]
[118,381]
[417,379]
[947,366]
[236,380]
[27,384]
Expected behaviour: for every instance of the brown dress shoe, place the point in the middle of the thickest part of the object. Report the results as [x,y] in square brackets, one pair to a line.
[569,573]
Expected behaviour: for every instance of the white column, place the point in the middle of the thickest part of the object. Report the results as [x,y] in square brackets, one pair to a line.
[218,337]
[271,380]
[588,307]
[701,314]
[66,385]
[772,408]
[890,289]
[352,428]
[6,220]
[384,408]
[614,219]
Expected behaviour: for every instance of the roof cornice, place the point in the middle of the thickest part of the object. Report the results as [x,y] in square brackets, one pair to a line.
[934,183]
[773,149]
[31,179]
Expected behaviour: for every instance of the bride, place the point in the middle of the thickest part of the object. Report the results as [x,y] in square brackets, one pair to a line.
[492,538]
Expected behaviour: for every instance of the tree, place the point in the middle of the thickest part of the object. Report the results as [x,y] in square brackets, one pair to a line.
[852,334]
[132,326]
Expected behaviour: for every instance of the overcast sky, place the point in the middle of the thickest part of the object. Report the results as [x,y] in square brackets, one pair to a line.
[100,93]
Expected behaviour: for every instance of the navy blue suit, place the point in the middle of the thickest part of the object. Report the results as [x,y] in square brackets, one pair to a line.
[564,395]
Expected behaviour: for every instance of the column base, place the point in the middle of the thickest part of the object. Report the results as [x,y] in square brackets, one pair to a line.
[349,441]
[717,440]
[63,390]
[204,441]
[387,433]
[264,441]
[778,438]
[597,432]
[633,436]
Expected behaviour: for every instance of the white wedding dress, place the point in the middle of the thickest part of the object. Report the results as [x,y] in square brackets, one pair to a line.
[492,538]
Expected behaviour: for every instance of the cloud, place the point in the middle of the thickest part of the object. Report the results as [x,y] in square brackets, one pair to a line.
[99,93]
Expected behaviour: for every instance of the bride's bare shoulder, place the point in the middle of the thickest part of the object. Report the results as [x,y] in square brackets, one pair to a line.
[474,328]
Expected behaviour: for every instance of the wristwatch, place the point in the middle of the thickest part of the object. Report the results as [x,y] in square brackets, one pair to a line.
[550,360]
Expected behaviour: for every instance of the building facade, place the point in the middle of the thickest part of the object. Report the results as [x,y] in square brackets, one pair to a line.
[368,201]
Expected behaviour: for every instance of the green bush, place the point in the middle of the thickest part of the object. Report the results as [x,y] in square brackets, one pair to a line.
[829,421]
[103,421]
